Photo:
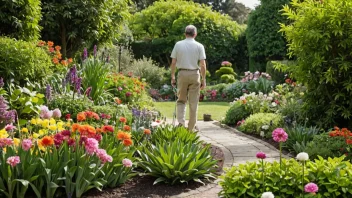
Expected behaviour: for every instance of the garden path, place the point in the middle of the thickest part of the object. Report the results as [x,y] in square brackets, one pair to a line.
[237,147]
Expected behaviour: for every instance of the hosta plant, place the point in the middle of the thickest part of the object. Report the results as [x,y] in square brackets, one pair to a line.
[177,162]
[170,133]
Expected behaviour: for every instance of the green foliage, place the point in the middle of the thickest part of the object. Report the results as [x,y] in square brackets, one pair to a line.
[277,76]
[170,134]
[177,162]
[332,177]
[299,134]
[161,31]
[69,106]
[26,101]
[319,37]
[226,74]
[326,146]
[23,61]
[20,19]
[73,23]
[236,113]
[234,90]
[264,40]
[148,71]
[261,85]
[253,124]
[94,73]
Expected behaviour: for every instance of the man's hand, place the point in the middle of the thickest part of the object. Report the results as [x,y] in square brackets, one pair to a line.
[173,81]
[203,84]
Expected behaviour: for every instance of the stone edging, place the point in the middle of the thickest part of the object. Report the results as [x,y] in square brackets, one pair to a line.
[250,137]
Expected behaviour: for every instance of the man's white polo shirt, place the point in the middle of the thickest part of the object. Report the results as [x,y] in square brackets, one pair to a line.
[188,53]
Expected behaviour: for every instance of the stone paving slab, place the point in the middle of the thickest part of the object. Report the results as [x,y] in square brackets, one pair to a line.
[238,148]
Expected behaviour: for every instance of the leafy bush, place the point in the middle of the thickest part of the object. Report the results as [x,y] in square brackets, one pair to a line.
[323,58]
[333,177]
[22,61]
[254,123]
[277,76]
[170,134]
[177,162]
[234,90]
[148,71]
[20,19]
[236,113]
[299,134]
[261,85]
[325,146]
[69,106]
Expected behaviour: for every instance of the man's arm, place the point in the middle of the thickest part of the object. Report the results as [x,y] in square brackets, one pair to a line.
[173,70]
[203,71]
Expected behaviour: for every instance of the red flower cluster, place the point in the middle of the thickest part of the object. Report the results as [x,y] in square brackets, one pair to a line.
[344,132]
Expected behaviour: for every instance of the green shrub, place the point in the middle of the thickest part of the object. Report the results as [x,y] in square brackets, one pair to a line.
[326,146]
[277,76]
[261,85]
[236,113]
[22,60]
[234,90]
[20,19]
[322,47]
[177,162]
[170,133]
[254,123]
[299,134]
[69,106]
[333,177]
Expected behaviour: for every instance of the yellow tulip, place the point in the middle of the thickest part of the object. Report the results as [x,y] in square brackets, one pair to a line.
[42,132]
[16,141]
[24,130]
[36,135]
[33,121]
[39,121]
[45,123]
[3,134]
[52,121]
[52,127]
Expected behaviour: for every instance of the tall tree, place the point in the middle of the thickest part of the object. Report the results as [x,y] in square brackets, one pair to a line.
[20,19]
[74,23]
[264,40]
[236,10]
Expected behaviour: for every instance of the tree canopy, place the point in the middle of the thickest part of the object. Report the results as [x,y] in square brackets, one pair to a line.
[162,25]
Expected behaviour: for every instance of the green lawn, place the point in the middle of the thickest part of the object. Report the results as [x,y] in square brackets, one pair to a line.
[216,109]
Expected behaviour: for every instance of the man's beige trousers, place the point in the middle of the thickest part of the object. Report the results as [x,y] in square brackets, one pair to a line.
[188,85]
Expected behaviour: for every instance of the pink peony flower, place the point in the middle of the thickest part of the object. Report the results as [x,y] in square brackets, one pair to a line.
[58,139]
[10,127]
[311,188]
[5,142]
[128,94]
[120,88]
[279,135]
[26,144]
[91,145]
[13,161]
[103,156]
[71,142]
[127,163]
[45,113]
[57,113]
[261,155]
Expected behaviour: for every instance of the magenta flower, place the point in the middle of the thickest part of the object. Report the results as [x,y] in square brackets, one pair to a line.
[127,163]
[91,145]
[261,155]
[26,144]
[128,94]
[10,127]
[103,156]
[5,142]
[13,161]
[71,142]
[279,135]
[311,188]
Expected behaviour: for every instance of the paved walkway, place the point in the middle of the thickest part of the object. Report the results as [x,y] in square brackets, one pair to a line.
[237,147]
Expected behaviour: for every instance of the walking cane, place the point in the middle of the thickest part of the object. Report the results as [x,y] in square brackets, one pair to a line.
[174,114]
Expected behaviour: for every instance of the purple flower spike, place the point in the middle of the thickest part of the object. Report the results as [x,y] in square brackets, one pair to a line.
[85,54]
[78,85]
[48,92]
[88,91]
[95,51]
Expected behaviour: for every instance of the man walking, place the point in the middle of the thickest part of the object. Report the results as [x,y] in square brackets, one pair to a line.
[185,56]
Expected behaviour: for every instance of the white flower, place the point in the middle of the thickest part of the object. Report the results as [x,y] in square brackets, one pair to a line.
[265,127]
[262,134]
[302,156]
[273,104]
[268,195]
[154,124]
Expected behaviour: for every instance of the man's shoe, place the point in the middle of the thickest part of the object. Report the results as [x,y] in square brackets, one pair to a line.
[196,129]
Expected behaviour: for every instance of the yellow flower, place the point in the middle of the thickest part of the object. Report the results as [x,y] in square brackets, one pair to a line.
[60,124]
[52,127]
[24,130]
[45,123]
[39,121]
[52,121]
[3,134]
[42,132]
[16,141]
[33,121]
[68,124]
[4,149]
[36,135]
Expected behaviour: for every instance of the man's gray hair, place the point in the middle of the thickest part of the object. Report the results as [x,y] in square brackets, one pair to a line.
[191,30]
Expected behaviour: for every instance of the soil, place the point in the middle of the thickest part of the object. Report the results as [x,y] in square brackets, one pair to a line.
[142,186]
